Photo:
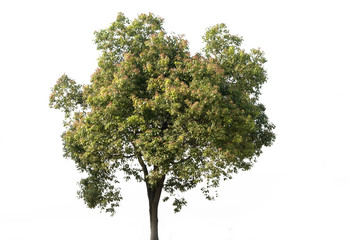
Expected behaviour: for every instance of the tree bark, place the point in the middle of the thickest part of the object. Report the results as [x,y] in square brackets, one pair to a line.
[153,221]
[154,194]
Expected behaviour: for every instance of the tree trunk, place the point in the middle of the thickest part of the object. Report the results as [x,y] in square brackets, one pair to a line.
[153,221]
[154,194]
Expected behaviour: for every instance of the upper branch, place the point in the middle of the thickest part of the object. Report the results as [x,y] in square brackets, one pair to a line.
[143,166]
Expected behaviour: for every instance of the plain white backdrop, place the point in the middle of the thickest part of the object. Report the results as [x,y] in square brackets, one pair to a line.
[299,188]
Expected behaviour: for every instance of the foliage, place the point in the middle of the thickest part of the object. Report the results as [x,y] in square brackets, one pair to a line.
[155,112]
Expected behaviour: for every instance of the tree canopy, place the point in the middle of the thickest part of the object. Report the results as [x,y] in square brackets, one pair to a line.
[155,112]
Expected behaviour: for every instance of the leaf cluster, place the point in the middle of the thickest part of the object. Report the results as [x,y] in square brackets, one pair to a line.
[154,112]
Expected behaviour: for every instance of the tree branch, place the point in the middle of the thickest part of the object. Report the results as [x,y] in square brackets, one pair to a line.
[143,166]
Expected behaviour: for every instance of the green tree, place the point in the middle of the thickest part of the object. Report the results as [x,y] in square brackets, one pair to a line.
[156,113]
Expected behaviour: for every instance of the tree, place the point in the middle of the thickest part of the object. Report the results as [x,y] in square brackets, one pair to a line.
[156,113]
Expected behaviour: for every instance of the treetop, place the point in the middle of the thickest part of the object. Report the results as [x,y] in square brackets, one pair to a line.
[155,112]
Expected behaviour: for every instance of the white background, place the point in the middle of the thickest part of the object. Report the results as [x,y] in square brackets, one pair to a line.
[300,187]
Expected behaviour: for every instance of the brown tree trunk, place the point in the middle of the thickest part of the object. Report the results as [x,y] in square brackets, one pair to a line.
[153,221]
[154,194]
